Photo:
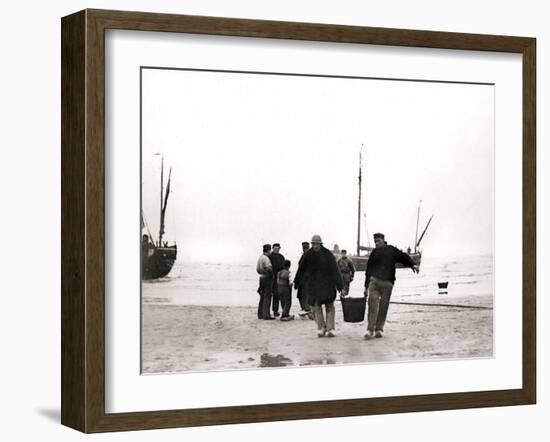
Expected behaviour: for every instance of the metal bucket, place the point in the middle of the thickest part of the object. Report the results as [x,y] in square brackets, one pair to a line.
[353,308]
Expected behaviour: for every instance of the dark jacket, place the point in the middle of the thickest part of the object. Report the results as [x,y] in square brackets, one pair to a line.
[277,261]
[381,263]
[301,285]
[320,274]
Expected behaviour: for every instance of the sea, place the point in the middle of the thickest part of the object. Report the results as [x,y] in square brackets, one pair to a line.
[470,282]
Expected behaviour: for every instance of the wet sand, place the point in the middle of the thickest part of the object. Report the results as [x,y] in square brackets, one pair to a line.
[180,338]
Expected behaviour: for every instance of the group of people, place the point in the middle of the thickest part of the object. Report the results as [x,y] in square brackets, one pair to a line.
[320,277]
[276,284]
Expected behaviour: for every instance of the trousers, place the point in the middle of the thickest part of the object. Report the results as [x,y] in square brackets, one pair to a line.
[346,279]
[276,297]
[378,302]
[286,300]
[322,323]
[302,298]
[265,292]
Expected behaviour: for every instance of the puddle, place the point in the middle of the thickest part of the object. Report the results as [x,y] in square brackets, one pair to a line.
[267,360]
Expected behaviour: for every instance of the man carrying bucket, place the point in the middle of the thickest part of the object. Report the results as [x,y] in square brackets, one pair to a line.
[379,280]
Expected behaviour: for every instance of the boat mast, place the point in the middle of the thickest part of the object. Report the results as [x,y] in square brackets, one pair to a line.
[161,227]
[359,205]
[417,221]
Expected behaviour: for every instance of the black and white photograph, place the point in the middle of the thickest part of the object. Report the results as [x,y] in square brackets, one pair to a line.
[293,220]
[256,221]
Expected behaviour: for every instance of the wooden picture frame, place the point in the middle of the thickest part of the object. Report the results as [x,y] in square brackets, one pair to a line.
[83,220]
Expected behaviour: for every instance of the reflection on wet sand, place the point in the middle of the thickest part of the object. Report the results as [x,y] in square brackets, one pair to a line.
[320,361]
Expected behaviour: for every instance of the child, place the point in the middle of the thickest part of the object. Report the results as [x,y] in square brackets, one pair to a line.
[284,287]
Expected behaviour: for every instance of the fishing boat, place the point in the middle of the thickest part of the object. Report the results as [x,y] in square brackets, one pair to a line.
[157,259]
[362,253]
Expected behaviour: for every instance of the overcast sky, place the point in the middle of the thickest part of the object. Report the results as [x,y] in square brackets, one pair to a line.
[274,158]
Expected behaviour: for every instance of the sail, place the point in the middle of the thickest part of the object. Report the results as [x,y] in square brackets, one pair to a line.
[165,203]
[167,191]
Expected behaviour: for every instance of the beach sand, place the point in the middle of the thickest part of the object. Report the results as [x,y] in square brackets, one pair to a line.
[178,338]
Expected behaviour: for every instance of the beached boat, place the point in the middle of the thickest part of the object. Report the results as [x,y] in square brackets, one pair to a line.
[157,258]
[362,253]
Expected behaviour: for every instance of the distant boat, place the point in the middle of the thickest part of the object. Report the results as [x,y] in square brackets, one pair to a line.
[157,259]
[360,259]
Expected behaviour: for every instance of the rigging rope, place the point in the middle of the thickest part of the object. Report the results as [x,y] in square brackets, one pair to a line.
[478,307]
[147,227]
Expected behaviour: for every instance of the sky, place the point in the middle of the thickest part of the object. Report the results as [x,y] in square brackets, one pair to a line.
[273,158]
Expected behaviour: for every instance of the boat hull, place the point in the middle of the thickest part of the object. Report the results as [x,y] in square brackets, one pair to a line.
[158,262]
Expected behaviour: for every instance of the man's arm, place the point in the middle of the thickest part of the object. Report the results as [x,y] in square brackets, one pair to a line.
[368,271]
[267,266]
[406,260]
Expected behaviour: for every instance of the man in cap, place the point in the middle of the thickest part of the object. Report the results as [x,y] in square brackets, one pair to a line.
[347,270]
[380,277]
[319,272]
[301,289]
[277,262]
[265,270]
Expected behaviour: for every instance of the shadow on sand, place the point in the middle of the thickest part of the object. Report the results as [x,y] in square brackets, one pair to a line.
[51,414]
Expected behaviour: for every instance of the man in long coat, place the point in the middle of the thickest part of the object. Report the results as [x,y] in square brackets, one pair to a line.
[319,271]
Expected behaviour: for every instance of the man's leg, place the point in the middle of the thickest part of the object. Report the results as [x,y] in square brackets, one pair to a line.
[374,302]
[261,307]
[346,280]
[266,289]
[331,312]
[261,300]
[301,299]
[308,307]
[282,297]
[385,295]
[276,299]
[319,317]
[287,302]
